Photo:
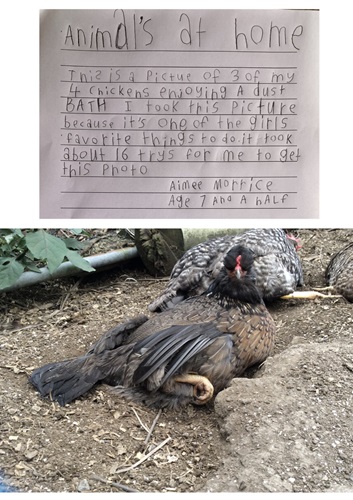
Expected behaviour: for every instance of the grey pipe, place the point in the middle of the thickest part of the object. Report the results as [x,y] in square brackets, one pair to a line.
[99,262]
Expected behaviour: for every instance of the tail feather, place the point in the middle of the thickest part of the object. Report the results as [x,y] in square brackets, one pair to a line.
[64,381]
[67,380]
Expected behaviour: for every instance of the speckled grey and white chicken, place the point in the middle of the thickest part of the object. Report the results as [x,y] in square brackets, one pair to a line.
[183,355]
[339,272]
[277,266]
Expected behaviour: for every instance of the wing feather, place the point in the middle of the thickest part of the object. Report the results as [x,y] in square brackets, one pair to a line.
[176,345]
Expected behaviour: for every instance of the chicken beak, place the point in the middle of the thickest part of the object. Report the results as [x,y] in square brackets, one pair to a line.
[238,272]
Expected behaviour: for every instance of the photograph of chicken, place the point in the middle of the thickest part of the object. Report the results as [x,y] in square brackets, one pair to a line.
[186,354]
[218,373]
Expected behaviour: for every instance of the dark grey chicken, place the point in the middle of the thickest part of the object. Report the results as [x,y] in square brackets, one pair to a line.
[183,355]
[277,266]
[339,272]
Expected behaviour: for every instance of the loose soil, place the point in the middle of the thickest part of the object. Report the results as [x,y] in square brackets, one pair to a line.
[284,427]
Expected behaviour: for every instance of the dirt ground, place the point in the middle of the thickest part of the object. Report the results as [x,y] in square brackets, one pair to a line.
[286,427]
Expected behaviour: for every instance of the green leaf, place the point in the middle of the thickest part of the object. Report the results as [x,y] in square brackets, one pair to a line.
[78,261]
[44,246]
[73,244]
[30,266]
[7,232]
[12,242]
[10,271]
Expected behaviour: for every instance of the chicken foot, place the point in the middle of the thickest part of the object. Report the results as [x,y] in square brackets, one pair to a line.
[202,387]
[311,294]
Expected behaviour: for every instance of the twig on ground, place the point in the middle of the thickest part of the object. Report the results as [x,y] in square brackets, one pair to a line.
[25,327]
[140,421]
[72,289]
[154,279]
[348,366]
[111,483]
[129,279]
[152,427]
[139,462]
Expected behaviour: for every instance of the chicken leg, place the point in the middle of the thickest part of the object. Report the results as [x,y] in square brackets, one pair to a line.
[310,294]
[202,387]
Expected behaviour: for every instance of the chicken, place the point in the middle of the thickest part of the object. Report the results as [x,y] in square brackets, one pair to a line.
[276,266]
[183,355]
[339,272]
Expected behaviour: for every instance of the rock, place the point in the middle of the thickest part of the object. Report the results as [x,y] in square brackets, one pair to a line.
[276,426]
[30,454]
[83,485]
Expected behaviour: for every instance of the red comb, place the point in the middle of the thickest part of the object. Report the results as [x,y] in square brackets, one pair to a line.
[290,236]
[237,260]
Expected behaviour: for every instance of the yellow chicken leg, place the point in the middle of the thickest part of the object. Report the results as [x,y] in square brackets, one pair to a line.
[203,389]
[311,294]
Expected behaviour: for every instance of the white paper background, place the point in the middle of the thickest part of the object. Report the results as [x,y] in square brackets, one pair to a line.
[97,185]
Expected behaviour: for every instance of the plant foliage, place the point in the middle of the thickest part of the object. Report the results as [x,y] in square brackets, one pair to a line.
[29,250]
